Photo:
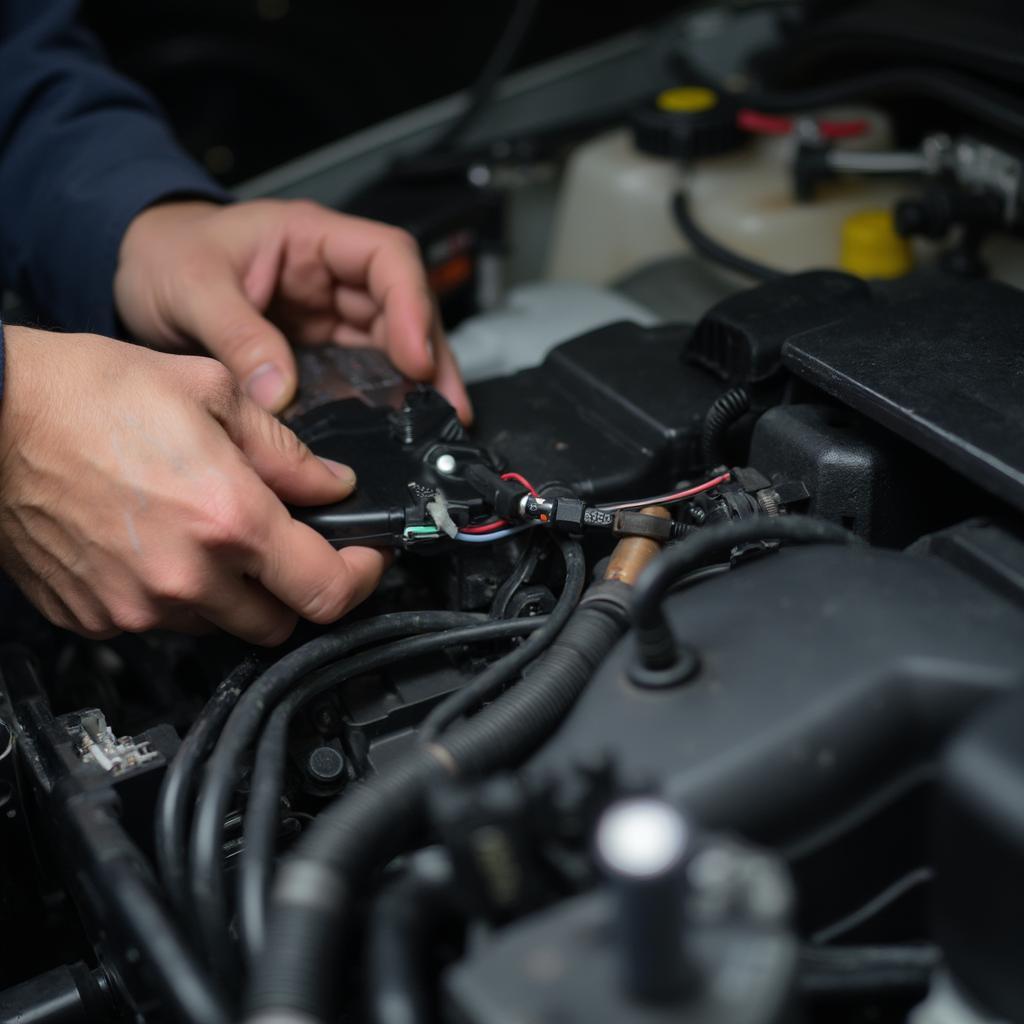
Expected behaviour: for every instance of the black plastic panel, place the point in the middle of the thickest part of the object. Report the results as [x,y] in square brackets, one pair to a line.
[611,413]
[945,370]
[980,847]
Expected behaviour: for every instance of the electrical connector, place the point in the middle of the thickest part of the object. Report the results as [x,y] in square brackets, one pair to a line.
[504,496]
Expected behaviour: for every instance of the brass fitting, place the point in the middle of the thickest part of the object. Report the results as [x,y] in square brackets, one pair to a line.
[632,554]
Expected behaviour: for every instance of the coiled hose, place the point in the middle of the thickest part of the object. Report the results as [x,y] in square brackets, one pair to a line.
[724,412]
[311,910]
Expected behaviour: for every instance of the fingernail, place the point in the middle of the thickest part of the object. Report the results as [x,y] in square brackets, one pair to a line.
[266,385]
[341,471]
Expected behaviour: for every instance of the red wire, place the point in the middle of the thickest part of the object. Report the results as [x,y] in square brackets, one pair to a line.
[520,480]
[500,524]
[668,499]
[664,499]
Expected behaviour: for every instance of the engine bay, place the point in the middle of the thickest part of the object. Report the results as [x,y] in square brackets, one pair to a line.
[693,691]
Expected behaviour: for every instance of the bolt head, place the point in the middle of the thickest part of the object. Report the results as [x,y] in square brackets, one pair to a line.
[326,764]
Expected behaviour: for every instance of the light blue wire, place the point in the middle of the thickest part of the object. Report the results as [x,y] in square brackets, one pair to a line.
[487,538]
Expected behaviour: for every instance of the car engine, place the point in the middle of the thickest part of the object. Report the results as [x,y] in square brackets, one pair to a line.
[693,692]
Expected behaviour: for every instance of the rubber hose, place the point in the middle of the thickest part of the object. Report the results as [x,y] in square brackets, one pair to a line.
[209,903]
[655,641]
[262,813]
[490,682]
[181,781]
[521,572]
[725,410]
[403,923]
[713,250]
[312,899]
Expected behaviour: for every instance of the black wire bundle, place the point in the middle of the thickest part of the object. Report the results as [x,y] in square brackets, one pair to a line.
[181,780]
[247,707]
[262,813]
[209,904]
[493,678]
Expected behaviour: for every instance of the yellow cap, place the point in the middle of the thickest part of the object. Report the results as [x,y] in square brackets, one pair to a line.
[687,99]
[872,247]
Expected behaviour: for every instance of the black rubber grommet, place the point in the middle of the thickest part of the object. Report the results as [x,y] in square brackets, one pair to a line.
[684,668]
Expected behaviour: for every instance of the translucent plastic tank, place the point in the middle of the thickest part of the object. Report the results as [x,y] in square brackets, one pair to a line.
[614,210]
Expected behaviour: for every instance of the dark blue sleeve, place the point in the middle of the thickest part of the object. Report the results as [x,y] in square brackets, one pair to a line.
[82,151]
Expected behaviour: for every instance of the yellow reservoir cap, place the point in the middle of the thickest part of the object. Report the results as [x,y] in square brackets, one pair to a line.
[872,248]
[687,99]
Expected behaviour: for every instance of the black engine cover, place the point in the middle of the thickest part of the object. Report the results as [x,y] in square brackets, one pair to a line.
[825,673]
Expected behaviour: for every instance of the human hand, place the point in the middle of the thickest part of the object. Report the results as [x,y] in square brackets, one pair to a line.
[240,279]
[140,490]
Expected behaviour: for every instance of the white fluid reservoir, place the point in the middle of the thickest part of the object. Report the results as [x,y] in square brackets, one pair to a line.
[614,212]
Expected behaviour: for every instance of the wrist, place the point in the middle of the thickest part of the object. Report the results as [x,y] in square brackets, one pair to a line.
[151,225]
[150,247]
[19,399]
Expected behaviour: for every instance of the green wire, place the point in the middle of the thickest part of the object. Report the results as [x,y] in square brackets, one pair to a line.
[421,531]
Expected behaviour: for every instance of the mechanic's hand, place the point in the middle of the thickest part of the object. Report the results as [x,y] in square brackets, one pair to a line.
[141,490]
[239,279]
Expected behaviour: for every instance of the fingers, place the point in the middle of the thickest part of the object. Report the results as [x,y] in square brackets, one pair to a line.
[243,608]
[355,307]
[284,463]
[304,572]
[385,263]
[448,379]
[218,314]
[292,569]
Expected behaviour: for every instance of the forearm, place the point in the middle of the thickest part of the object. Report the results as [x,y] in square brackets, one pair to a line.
[85,150]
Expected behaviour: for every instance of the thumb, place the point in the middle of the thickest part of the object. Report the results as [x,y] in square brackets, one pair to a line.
[281,460]
[220,316]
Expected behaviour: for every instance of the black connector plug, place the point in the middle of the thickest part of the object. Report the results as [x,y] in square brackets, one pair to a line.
[569,514]
[504,496]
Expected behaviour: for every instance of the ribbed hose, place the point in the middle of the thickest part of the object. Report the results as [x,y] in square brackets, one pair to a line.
[311,910]
[724,412]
